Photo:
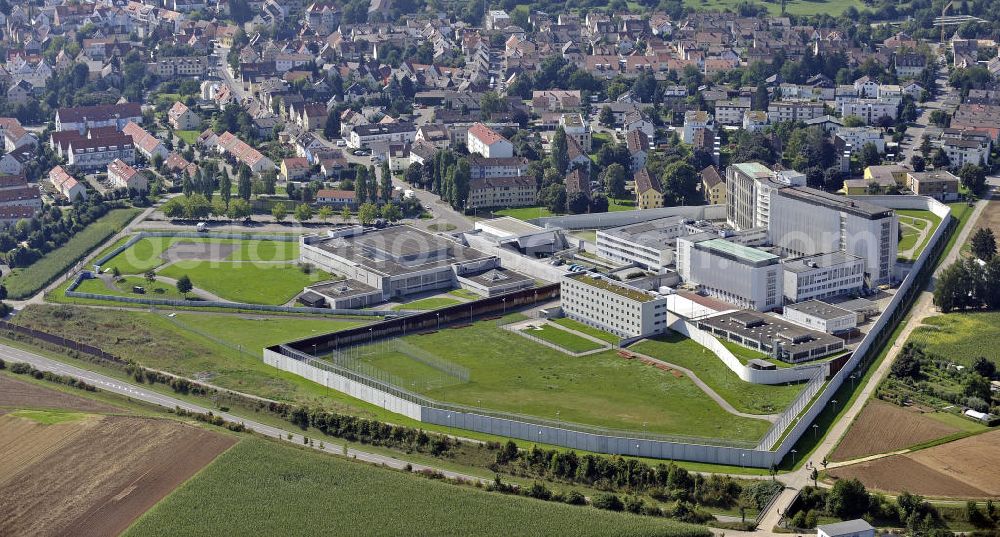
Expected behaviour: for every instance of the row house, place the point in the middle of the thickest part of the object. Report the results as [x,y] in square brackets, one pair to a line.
[148,145]
[66,185]
[16,191]
[14,135]
[228,143]
[82,118]
[96,153]
[183,66]
[123,176]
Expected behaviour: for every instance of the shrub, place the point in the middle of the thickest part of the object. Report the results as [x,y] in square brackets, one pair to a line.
[575,498]
[608,501]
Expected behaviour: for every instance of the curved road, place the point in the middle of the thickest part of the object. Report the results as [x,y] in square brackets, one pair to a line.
[106,383]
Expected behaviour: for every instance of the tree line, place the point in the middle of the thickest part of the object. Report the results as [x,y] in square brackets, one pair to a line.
[971,284]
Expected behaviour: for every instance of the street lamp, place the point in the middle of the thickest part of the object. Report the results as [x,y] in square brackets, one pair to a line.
[504,300]
[743,460]
[853,375]
[793,457]
[815,431]
[439,321]
[834,406]
[371,336]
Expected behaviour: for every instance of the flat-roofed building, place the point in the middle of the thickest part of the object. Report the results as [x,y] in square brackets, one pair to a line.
[612,306]
[520,191]
[938,184]
[651,245]
[577,129]
[821,316]
[823,276]
[772,335]
[741,275]
[527,238]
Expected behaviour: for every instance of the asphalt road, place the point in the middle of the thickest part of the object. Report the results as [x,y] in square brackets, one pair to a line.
[140,393]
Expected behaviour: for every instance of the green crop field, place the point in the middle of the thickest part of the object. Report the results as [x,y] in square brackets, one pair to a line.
[571,342]
[586,329]
[744,396]
[511,374]
[248,283]
[259,487]
[431,303]
[147,253]
[24,282]
[961,337]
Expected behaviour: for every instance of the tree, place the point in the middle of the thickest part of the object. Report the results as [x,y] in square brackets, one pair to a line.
[219,207]
[925,146]
[187,186]
[553,197]
[150,276]
[331,129]
[244,185]
[325,213]
[680,184]
[577,203]
[853,121]
[978,386]
[279,212]
[599,204]
[869,155]
[225,187]
[197,206]
[907,366]
[361,185]
[559,156]
[760,97]
[303,213]
[174,208]
[184,285]
[973,177]
[345,213]
[848,499]
[814,475]
[940,159]
[385,189]
[984,367]
[606,117]
[367,213]
[414,173]
[984,244]
[239,209]
[918,163]
[614,180]
[391,212]
[940,118]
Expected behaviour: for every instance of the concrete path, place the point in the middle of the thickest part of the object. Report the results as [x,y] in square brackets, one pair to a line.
[200,292]
[110,384]
[921,237]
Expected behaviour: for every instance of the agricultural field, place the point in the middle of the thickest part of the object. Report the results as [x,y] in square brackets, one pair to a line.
[744,396]
[24,282]
[966,468]
[511,374]
[961,337]
[60,459]
[883,427]
[792,7]
[18,394]
[231,358]
[559,337]
[262,488]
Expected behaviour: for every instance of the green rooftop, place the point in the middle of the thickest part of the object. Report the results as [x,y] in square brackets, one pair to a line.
[739,252]
[632,294]
[752,168]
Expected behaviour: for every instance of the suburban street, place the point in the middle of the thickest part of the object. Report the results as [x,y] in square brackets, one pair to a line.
[109,384]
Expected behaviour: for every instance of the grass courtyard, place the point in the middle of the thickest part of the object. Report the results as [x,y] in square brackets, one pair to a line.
[248,283]
[149,252]
[744,396]
[567,340]
[431,303]
[915,227]
[511,374]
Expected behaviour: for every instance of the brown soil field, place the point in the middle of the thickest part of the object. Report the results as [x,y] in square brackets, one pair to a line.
[883,427]
[19,394]
[966,468]
[94,477]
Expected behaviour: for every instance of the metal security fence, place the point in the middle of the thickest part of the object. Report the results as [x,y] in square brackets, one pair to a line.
[793,410]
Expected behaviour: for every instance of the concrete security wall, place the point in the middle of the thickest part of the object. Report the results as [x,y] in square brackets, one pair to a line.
[621,218]
[342,384]
[866,349]
[747,374]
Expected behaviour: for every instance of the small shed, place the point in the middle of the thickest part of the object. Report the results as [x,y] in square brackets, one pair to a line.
[849,528]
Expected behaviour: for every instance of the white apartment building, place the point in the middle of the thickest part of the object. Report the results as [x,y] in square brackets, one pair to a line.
[870,110]
[613,307]
[365,136]
[121,175]
[823,276]
[481,167]
[651,245]
[488,142]
[779,111]
[754,120]
[731,112]
[740,275]
[857,137]
[516,191]
[179,66]
[964,151]
[577,129]
[805,221]
[694,121]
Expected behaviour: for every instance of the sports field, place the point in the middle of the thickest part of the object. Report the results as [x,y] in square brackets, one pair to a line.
[509,373]
[261,488]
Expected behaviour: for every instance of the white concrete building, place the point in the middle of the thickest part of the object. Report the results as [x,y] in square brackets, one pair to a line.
[696,120]
[121,175]
[823,276]
[870,110]
[731,112]
[612,306]
[850,528]
[779,111]
[577,129]
[749,186]
[651,245]
[740,275]
[816,315]
[366,136]
[488,142]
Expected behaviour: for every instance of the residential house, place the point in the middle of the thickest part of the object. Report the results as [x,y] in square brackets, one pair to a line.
[731,112]
[696,120]
[14,135]
[228,144]
[488,143]
[339,198]
[713,186]
[648,192]
[183,118]
[755,120]
[121,175]
[517,191]
[910,65]
[294,169]
[638,147]
[366,136]
[81,118]
[148,145]
[941,185]
[66,185]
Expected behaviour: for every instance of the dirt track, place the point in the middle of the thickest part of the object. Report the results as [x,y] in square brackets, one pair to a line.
[93,477]
[967,468]
[883,427]
[18,394]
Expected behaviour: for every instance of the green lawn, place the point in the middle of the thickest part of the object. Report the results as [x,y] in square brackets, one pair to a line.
[259,487]
[792,7]
[249,283]
[124,287]
[919,220]
[509,373]
[147,253]
[961,337]
[587,329]
[525,213]
[189,137]
[745,355]
[432,303]
[24,282]
[744,396]
[621,205]
[571,342]
[464,293]
[49,417]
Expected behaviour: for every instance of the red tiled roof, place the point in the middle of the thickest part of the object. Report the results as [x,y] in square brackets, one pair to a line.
[485,134]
